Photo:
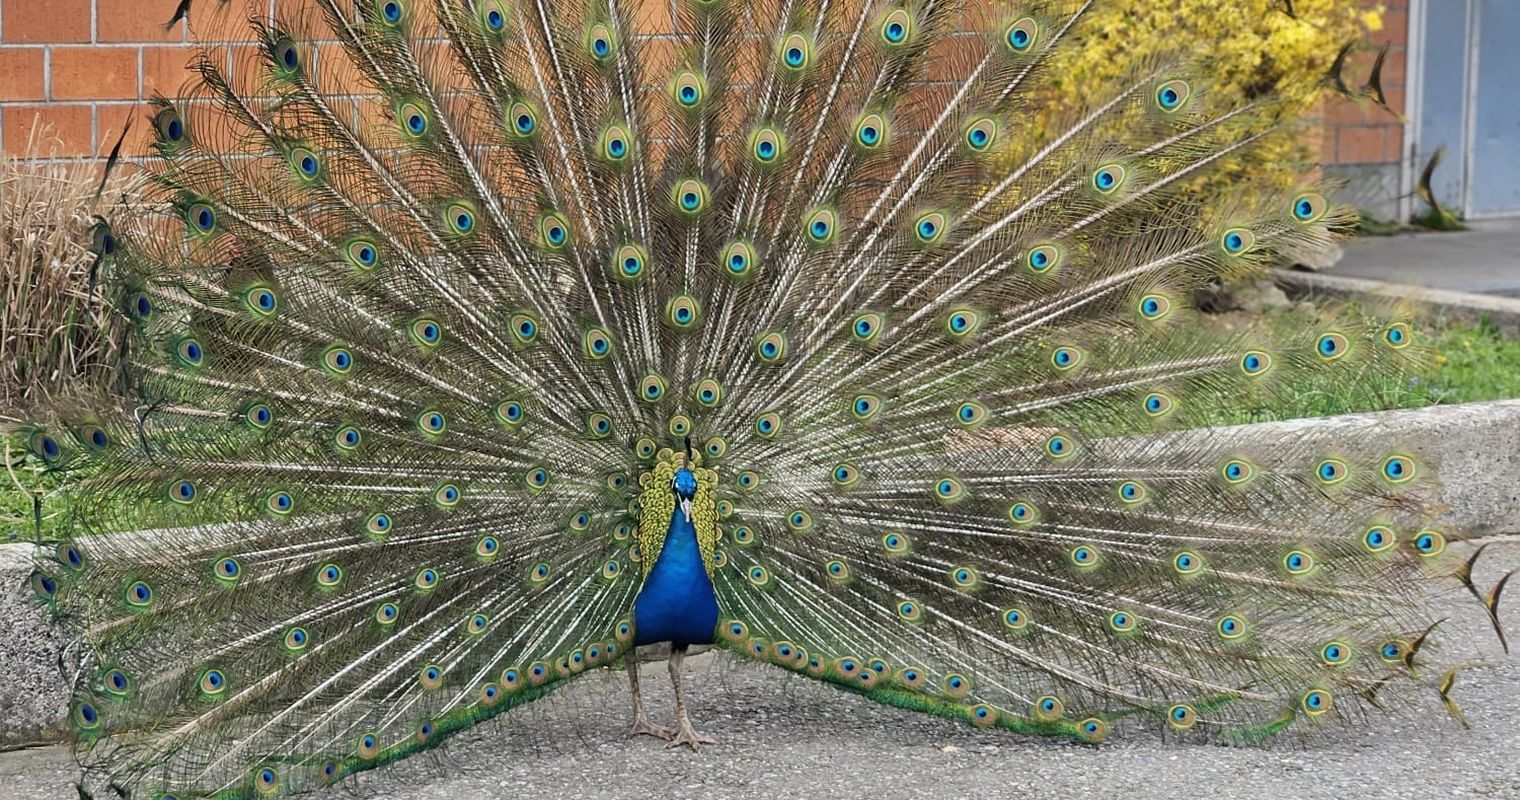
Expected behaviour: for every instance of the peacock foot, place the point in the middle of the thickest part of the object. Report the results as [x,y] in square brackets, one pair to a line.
[642,725]
[687,735]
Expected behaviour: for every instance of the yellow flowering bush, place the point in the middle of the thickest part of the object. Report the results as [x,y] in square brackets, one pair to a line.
[1234,51]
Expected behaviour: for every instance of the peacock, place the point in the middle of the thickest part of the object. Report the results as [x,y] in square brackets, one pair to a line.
[490,342]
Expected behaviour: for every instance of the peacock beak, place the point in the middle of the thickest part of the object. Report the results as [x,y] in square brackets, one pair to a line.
[686,507]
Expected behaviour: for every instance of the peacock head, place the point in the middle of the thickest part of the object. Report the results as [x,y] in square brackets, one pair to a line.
[684,484]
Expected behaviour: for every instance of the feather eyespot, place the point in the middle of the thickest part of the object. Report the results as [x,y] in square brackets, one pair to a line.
[962,323]
[461,219]
[820,226]
[599,42]
[767,146]
[715,448]
[170,126]
[598,426]
[981,134]
[689,196]
[1379,539]
[1157,404]
[845,475]
[1429,543]
[1084,556]
[738,259]
[1335,654]
[183,492]
[930,227]
[616,143]
[1309,207]
[45,447]
[414,121]
[683,312]
[865,407]
[1171,96]
[509,413]
[213,682]
[201,218]
[329,576]
[491,15]
[296,639]
[432,422]
[768,425]
[771,347]
[596,344]
[1108,178]
[708,393]
[362,254]
[1044,258]
[796,52]
[1020,36]
[1237,241]
[524,329]
[871,131]
[1154,307]
[279,503]
[1187,563]
[866,328]
[689,89]
[629,262]
[652,388]
[1023,513]
[447,496]
[1255,363]
[427,332]
[554,230]
[897,28]
[1230,627]
[1298,563]
[378,525]
[1316,702]
[522,120]
[1331,346]
[287,57]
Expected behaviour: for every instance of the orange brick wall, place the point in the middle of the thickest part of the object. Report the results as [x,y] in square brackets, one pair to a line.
[1358,132]
[83,66]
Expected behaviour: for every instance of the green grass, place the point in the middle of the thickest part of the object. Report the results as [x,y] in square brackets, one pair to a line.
[1472,363]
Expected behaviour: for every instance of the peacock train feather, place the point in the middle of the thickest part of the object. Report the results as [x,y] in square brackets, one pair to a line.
[429,381]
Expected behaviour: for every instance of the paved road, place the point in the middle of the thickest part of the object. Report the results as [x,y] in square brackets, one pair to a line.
[1484,259]
[785,736]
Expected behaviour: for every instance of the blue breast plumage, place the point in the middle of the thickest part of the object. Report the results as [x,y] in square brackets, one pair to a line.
[677,603]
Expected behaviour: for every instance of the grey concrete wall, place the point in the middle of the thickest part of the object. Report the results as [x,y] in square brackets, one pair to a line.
[1373,188]
[1476,447]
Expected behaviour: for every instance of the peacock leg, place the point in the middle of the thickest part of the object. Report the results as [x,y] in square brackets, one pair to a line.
[685,734]
[641,723]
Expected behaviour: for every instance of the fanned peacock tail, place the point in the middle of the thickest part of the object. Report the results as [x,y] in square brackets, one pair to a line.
[403,371]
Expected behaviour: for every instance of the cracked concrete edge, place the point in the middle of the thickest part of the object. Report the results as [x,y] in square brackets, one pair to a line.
[1477,447]
[1468,307]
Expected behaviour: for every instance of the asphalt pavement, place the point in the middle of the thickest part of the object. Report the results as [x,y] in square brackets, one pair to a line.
[786,736]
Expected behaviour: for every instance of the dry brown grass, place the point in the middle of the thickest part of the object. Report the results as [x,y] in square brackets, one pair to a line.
[59,346]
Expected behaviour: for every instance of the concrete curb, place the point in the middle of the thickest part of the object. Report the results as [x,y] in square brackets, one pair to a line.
[1477,448]
[1464,306]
